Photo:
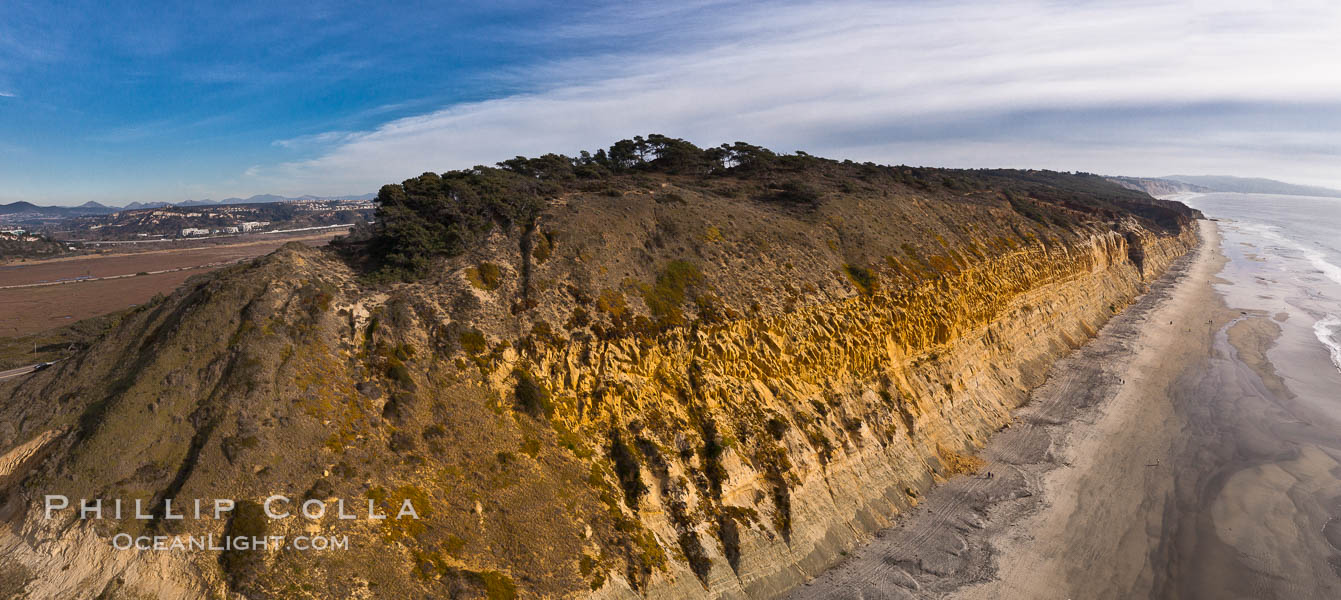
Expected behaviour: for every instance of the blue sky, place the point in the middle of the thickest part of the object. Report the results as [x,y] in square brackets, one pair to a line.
[172,101]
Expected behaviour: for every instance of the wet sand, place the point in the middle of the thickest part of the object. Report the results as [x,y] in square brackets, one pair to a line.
[1167,458]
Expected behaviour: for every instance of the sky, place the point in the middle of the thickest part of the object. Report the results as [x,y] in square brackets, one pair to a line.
[166,101]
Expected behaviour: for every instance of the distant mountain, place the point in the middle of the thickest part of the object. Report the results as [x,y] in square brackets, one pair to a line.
[140,205]
[28,208]
[94,208]
[1253,185]
[270,198]
[18,207]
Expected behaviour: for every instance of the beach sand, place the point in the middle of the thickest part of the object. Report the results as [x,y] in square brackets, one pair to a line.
[1164,459]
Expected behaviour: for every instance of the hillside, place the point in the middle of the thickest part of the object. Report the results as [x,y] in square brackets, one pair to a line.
[14,245]
[1157,187]
[655,370]
[20,210]
[1253,185]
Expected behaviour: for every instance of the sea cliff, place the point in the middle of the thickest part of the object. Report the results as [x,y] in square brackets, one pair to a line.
[702,377]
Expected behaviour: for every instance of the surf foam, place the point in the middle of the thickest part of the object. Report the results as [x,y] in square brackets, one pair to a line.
[1327,331]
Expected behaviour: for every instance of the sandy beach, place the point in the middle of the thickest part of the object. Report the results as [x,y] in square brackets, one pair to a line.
[1167,458]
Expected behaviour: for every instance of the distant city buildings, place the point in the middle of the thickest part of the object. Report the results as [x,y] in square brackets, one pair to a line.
[162,223]
[19,235]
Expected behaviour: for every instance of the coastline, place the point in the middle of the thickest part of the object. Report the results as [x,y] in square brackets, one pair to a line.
[1178,454]
[1071,496]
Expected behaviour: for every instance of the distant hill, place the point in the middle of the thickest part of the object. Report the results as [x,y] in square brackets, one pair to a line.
[1157,187]
[1252,185]
[94,208]
[139,205]
[271,198]
[28,208]
[18,207]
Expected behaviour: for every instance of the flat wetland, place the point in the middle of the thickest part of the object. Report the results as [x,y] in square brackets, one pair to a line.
[33,313]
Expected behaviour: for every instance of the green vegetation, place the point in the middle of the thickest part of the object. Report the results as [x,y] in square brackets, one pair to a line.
[665,298]
[437,215]
[241,565]
[473,341]
[543,247]
[497,586]
[531,397]
[795,192]
[434,215]
[486,276]
[862,278]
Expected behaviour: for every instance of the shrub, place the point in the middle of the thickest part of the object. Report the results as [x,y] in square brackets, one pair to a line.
[398,372]
[795,192]
[543,247]
[628,471]
[862,278]
[531,397]
[486,276]
[665,298]
[473,341]
[241,566]
[670,198]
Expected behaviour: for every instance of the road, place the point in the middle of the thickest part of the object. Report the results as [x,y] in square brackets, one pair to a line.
[83,279]
[19,371]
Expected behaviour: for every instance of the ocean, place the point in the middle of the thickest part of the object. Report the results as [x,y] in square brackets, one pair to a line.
[1285,257]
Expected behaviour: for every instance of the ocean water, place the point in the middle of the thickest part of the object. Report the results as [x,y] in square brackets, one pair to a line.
[1267,467]
[1285,258]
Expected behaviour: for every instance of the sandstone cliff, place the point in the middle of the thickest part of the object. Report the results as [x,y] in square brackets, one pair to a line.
[657,384]
[1158,187]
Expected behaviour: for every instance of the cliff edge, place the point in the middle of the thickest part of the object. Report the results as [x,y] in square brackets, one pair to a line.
[655,371]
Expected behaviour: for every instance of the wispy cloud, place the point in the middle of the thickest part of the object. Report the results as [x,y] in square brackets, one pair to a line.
[831,77]
[4,94]
[315,141]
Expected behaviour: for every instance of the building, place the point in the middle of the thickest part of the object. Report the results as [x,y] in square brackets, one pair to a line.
[190,231]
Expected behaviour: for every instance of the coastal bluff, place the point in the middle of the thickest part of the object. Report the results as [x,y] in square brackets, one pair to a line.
[658,371]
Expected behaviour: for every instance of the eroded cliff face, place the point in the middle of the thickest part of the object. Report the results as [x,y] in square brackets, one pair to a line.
[665,391]
[832,420]
[1157,187]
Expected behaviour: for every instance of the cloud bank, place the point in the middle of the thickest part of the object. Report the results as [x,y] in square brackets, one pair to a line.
[1143,88]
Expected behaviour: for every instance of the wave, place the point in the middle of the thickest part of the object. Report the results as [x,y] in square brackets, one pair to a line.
[1319,261]
[1327,331]
[1313,256]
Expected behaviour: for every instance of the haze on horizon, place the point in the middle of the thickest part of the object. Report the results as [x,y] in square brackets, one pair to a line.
[146,103]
